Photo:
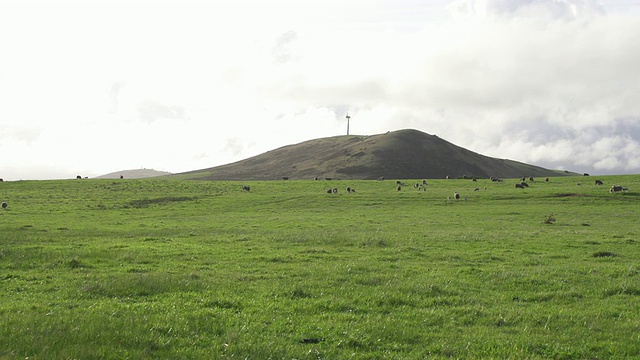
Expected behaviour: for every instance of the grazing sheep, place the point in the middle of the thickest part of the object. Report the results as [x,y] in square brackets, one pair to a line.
[1,180]
[546,179]
[446,177]
[524,184]
[246,187]
[599,182]
[476,189]
[585,174]
[456,195]
[335,190]
[4,205]
[530,178]
[78,177]
[121,176]
[399,188]
[617,188]
[285,178]
[327,178]
[424,182]
[519,186]
[330,191]
[349,190]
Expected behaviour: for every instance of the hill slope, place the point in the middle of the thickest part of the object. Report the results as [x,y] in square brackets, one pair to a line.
[134,174]
[403,154]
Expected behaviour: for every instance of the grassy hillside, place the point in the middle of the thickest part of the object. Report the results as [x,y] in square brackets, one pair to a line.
[396,155]
[166,269]
[134,174]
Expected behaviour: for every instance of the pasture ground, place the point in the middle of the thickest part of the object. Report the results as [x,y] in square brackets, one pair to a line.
[157,268]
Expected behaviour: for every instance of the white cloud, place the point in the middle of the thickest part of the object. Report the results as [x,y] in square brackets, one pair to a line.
[178,86]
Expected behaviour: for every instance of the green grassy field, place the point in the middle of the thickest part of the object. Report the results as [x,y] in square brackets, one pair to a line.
[113,269]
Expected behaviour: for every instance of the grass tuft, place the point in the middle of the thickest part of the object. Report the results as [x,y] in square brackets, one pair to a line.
[599,254]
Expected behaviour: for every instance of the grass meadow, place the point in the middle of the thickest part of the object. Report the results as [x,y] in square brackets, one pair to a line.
[177,269]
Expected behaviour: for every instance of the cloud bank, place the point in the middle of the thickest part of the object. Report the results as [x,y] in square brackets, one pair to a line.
[178,86]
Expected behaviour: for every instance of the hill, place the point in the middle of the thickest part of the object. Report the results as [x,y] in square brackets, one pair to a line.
[402,154]
[134,174]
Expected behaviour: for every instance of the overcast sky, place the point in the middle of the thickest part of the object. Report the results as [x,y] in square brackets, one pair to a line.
[92,87]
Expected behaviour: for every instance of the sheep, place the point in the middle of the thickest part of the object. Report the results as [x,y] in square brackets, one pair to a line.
[246,188]
[456,195]
[4,204]
[335,190]
[78,177]
[617,188]
[519,186]
[1,180]
[524,184]
[476,189]
[399,188]
[530,178]
[424,182]
[285,178]
[599,182]
[546,179]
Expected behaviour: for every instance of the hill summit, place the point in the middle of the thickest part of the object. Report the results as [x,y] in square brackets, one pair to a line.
[402,154]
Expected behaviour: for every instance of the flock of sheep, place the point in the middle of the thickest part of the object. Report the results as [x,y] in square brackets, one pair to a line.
[522,184]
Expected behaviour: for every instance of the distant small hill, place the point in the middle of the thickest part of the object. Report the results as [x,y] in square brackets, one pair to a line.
[402,154]
[134,174]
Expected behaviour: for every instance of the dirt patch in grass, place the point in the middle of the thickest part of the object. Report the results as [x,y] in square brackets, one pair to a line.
[569,195]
